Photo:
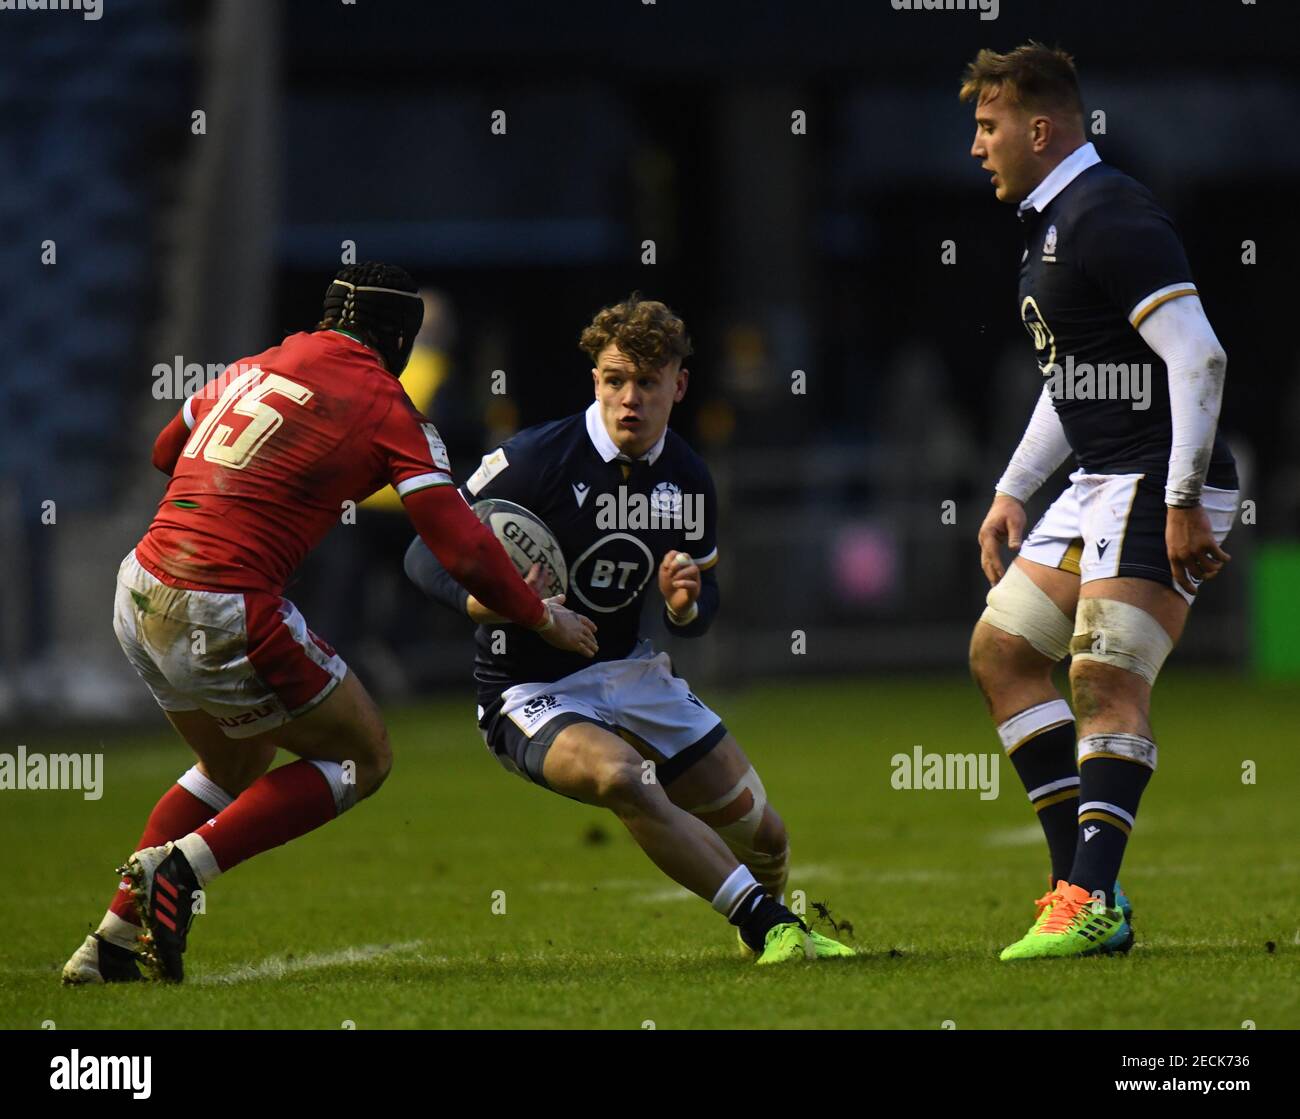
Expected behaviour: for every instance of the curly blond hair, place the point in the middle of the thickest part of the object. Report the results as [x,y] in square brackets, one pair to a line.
[645,330]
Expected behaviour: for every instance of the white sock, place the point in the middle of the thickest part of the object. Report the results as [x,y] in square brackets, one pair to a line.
[207,790]
[345,791]
[733,890]
[118,931]
[200,857]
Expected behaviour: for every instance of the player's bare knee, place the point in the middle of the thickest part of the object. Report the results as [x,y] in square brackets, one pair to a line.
[618,785]
[1088,699]
[984,661]
[382,759]
[378,775]
[1100,690]
[1000,660]
[373,764]
[988,648]
[1106,695]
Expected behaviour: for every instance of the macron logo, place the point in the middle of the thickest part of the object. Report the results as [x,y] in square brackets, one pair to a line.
[122,1074]
[1089,832]
[580,491]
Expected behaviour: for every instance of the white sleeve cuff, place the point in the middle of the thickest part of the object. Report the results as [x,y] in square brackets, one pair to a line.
[687,618]
[422,482]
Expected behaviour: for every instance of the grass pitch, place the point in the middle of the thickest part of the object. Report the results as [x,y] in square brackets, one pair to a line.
[385,918]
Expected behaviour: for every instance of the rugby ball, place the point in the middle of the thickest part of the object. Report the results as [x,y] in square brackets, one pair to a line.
[526,539]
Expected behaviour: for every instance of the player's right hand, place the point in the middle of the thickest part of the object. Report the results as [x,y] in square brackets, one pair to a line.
[575,633]
[1005,520]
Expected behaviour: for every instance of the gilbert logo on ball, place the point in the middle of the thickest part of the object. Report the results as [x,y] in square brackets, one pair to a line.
[526,540]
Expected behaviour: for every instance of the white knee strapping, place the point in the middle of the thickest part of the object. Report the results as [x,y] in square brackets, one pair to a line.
[746,825]
[739,835]
[1017,605]
[1120,634]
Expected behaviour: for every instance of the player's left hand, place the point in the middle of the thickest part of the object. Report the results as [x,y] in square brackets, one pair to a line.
[1194,554]
[679,584]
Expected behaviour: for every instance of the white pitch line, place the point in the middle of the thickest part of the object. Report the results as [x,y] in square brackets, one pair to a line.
[827,872]
[1025,836]
[565,886]
[670,893]
[277,967]
[801,875]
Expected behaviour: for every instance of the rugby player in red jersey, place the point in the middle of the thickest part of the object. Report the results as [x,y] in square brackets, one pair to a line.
[263,461]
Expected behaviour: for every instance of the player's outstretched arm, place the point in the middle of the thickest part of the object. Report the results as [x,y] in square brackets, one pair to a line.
[468,553]
[424,570]
[1042,449]
[1181,334]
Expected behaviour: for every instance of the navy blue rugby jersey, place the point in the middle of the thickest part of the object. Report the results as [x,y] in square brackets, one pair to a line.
[1101,255]
[614,520]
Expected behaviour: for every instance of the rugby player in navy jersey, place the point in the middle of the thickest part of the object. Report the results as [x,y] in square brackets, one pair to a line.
[587,730]
[1133,378]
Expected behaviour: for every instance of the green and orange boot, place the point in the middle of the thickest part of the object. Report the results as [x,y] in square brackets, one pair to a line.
[1071,922]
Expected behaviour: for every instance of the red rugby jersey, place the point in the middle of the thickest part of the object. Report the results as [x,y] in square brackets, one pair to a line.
[264,457]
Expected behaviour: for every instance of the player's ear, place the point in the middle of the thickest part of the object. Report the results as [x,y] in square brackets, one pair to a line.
[1042,132]
[595,382]
[683,376]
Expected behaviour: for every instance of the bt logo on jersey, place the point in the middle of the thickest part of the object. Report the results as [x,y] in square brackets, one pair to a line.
[611,573]
[602,572]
